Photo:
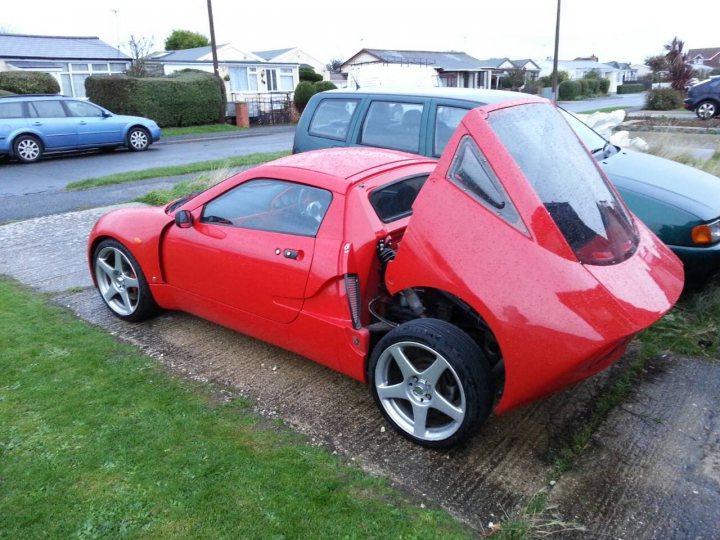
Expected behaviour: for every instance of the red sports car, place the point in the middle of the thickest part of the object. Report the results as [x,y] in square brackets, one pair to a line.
[505,271]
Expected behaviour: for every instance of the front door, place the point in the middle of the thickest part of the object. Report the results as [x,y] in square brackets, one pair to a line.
[251,248]
[94,126]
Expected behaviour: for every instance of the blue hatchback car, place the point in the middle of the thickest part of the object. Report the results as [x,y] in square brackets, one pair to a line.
[32,125]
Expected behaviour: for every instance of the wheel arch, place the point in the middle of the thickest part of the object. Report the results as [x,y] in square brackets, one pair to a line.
[25,131]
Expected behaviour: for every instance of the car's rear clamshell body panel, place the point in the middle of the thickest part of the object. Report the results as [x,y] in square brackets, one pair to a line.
[556,319]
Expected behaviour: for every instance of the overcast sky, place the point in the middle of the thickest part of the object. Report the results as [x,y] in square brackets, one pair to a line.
[622,30]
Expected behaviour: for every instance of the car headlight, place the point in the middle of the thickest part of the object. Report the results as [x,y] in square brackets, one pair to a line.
[706,234]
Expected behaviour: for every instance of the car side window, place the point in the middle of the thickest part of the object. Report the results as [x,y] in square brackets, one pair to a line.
[447,119]
[390,124]
[471,172]
[80,108]
[11,110]
[47,109]
[270,205]
[332,118]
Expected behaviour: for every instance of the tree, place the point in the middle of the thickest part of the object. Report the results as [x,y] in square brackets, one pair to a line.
[185,39]
[679,71]
[515,79]
[657,64]
[140,49]
[334,65]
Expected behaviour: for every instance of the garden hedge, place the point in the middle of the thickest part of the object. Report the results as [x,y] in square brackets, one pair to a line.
[185,98]
[28,82]
[569,90]
[604,86]
[632,88]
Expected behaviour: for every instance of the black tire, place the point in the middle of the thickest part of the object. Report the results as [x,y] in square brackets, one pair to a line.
[706,109]
[121,282]
[27,148]
[460,376]
[138,139]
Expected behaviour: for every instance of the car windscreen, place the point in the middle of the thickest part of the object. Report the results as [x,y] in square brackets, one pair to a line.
[594,222]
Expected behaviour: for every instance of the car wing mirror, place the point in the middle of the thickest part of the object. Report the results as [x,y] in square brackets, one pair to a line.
[184,219]
[106,114]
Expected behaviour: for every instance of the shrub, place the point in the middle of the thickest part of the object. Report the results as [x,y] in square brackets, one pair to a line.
[321,86]
[584,87]
[569,90]
[632,88]
[28,82]
[303,92]
[663,99]
[185,98]
[593,86]
[308,74]
[604,86]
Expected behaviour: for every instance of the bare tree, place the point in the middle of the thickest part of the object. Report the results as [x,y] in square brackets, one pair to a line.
[679,71]
[140,49]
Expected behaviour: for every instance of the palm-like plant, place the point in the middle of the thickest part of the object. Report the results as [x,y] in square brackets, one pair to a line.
[679,71]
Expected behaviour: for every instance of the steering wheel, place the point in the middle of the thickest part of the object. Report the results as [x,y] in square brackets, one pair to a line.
[309,206]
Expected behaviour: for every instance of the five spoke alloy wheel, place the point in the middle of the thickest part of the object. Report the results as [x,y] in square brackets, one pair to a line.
[706,110]
[121,282]
[432,382]
[27,148]
[138,139]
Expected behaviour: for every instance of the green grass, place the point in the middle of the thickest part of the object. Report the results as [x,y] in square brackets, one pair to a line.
[603,109]
[175,170]
[161,197]
[97,441]
[200,130]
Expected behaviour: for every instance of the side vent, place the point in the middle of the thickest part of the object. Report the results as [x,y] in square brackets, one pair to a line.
[352,287]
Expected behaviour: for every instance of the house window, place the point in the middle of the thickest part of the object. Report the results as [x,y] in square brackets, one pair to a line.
[271,80]
[79,67]
[287,82]
[117,68]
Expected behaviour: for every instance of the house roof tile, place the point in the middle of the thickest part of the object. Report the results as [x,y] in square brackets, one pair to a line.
[447,61]
[269,55]
[28,47]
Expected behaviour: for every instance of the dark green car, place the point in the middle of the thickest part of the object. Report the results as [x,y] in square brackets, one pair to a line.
[680,204]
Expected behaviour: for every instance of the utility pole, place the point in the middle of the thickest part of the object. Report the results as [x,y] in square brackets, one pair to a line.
[213,44]
[555,56]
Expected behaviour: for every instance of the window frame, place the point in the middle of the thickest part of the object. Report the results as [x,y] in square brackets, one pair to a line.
[349,124]
[424,106]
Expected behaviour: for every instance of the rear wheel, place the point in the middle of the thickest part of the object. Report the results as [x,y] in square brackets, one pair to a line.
[706,109]
[432,382]
[138,139]
[27,148]
[121,282]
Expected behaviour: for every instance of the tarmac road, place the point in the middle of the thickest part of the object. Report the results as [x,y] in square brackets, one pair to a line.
[651,471]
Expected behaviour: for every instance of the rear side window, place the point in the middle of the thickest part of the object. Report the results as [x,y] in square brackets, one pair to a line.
[394,201]
[471,172]
[447,119]
[47,109]
[390,124]
[11,110]
[332,118]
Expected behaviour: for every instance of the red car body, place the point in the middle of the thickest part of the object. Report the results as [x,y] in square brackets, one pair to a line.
[547,319]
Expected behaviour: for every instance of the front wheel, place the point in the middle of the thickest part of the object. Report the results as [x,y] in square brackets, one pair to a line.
[27,148]
[138,139]
[706,110]
[121,282]
[432,382]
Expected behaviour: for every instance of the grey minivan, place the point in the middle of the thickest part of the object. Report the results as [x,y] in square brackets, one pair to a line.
[680,204]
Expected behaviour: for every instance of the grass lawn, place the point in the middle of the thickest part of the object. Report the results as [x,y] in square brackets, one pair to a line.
[97,441]
[199,130]
[603,109]
[174,170]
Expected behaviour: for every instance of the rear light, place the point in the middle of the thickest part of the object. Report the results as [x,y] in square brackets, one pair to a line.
[352,288]
[706,234]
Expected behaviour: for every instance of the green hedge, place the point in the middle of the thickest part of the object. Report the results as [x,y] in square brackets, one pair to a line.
[663,99]
[569,90]
[185,98]
[28,82]
[604,86]
[632,88]
[322,86]
[593,86]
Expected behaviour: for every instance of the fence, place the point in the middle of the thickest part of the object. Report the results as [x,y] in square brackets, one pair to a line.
[269,109]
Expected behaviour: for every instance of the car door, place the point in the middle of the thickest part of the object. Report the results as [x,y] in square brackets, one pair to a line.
[50,119]
[250,248]
[95,127]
